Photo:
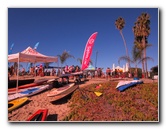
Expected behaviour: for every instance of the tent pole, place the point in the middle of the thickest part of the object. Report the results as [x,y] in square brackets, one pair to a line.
[35,68]
[17,72]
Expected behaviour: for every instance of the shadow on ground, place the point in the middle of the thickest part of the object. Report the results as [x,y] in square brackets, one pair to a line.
[52,117]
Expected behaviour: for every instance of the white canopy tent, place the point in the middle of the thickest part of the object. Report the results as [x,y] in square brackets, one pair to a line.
[30,55]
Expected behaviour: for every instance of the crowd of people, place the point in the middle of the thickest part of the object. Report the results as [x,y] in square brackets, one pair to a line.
[40,70]
[109,73]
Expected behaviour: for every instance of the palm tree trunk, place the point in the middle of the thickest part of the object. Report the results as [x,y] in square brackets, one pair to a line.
[144,61]
[61,70]
[146,66]
[136,70]
[143,68]
[125,46]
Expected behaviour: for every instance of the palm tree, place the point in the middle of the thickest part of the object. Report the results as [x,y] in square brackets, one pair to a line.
[142,48]
[136,58]
[142,30]
[15,65]
[65,55]
[120,23]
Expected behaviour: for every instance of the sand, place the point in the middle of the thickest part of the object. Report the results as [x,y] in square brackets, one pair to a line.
[57,110]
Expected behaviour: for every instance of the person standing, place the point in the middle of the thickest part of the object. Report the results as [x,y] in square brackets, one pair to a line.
[108,72]
[36,71]
[23,71]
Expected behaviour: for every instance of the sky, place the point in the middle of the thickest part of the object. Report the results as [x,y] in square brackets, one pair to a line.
[60,29]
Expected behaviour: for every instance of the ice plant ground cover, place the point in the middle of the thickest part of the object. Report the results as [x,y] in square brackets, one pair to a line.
[138,103]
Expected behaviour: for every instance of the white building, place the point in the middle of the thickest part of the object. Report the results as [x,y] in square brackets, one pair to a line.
[124,69]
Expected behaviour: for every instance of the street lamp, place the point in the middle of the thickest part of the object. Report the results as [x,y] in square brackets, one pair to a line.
[96,59]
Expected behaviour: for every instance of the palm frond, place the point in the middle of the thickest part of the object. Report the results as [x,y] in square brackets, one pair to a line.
[65,55]
[125,58]
[146,59]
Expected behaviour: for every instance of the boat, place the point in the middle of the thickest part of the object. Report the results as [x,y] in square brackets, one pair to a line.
[39,115]
[123,85]
[64,94]
[29,92]
[16,103]
[60,90]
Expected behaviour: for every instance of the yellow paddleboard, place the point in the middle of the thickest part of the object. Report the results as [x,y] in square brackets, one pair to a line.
[16,103]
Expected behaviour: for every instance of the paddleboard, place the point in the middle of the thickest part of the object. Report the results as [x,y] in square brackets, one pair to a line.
[64,75]
[39,115]
[77,73]
[28,92]
[21,90]
[60,90]
[13,92]
[51,80]
[36,83]
[128,84]
[64,94]
[16,103]
[122,83]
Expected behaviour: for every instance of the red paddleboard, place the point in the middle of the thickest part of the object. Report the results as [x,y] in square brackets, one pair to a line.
[37,83]
[39,115]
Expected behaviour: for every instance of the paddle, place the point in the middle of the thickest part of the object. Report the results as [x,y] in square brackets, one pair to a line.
[84,97]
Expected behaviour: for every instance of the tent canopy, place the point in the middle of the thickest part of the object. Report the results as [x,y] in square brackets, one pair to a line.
[31,55]
[90,67]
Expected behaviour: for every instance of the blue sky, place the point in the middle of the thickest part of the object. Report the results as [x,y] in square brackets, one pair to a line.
[59,29]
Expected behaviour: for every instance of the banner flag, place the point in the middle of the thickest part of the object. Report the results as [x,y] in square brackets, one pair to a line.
[88,50]
[11,48]
[10,51]
[37,44]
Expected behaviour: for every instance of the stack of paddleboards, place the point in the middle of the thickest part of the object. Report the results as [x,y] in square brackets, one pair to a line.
[34,84]
[28,92]
[61,92]
[123,85]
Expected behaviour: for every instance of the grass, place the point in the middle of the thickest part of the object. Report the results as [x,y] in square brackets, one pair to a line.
[139,103]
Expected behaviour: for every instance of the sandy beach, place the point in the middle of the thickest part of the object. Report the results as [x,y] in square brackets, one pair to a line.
[57,110]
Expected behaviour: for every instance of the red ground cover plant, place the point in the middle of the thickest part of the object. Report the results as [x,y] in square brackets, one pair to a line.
[138,103]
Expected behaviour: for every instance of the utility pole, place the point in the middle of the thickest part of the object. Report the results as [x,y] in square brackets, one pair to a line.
[96,59]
